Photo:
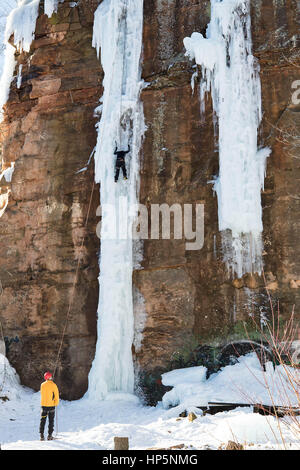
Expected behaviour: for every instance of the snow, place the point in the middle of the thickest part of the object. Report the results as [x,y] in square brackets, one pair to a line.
[51,7]
[7,52]
[5,7]
[7,75]
[18,19]
[231,74]
[10,386]
[88,425]
[3,203]
[189,375]
[19,77]
[242,382]
[7,174]
[117,37]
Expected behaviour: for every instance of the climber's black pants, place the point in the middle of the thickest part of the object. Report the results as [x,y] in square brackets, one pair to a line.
[120,164]
[50,412]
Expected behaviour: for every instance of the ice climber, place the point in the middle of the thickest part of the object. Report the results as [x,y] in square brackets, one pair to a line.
[49,400]
[120,163]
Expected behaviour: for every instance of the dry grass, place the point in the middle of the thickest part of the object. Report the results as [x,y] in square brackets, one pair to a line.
[278,340]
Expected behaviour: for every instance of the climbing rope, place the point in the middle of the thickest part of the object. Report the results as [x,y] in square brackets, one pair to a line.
[2,336]
[123,85]
[74,285]
[87,217]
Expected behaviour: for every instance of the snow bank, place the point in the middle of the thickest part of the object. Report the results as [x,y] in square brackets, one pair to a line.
[190,375]
[231,74]
[245,427]
[9,380]
[84,425]
[244,382]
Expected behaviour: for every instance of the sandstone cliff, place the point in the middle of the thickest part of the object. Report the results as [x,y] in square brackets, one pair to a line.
[183,298]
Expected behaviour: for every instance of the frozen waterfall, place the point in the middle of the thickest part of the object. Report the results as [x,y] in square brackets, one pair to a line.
[118,28]
[231,74]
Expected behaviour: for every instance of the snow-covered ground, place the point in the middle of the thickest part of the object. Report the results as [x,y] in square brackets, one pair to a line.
[89,425]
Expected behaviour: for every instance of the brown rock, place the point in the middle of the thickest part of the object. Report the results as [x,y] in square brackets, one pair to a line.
[231,445]
[45,87]
[49,135]
[192,417]
[176,447]
[178,161]
[121,443]
[49,132]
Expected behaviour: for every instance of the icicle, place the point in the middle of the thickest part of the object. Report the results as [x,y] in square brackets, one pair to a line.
[21,23]
[7,174]
[7,76]
[7,52]
[3,202]
[19,78]
[231,74]
[51,7]
[118,28]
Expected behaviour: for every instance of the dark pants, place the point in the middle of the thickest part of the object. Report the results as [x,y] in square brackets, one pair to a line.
[120,164]
[50,412]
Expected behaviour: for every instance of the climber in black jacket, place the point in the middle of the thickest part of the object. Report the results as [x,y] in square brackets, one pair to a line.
[120,163]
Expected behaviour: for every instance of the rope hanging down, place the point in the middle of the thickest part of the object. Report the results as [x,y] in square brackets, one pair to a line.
[74,285]
[122,117]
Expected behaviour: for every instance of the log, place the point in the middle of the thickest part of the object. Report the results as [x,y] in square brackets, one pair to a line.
[276,410]
[121,443]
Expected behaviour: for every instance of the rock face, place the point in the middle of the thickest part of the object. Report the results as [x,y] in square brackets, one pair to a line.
[188,296]
[182,298]
[49,132]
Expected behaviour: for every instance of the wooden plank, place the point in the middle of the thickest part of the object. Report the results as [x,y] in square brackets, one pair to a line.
[276,410]
[121,443]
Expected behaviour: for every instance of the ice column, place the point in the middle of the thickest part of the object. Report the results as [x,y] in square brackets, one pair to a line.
[118,28]
[231,74]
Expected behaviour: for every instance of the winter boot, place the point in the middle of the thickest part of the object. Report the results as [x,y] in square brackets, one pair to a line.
[42,438]
[50,438]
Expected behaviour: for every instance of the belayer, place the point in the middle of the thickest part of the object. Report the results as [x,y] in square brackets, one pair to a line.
[120,163]
[49,400]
